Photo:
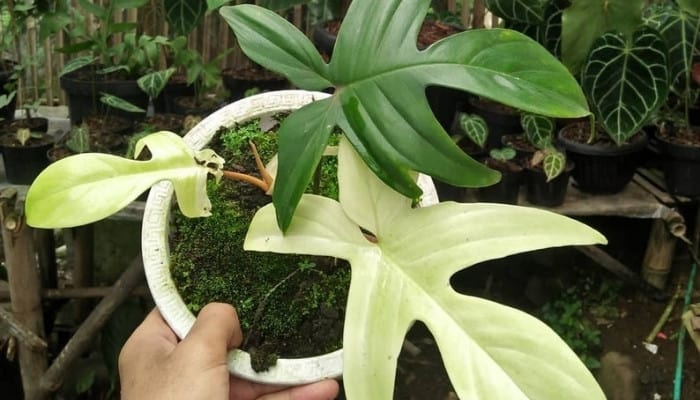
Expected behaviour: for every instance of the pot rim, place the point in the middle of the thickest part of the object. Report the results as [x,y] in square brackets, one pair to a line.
[638,143]
[155,248]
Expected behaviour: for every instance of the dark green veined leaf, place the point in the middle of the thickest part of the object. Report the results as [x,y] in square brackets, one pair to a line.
[586,20]
[154,82]
[680,31]
[380,101]
[626,80]
[550,35]
[529,12]
[77,63]
[184,15]
[117,102]
[690,6]
[553,163]
[532,31]
[538,129]
[475,128]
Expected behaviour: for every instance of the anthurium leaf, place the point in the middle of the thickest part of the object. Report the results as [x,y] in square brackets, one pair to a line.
[585,20]
[404,276]
[380,78]
[117,102]
[553,163]
[153,83]
[626,80]
[108,183]
[184,15]
[77,63]
[504,154]
[550,35]
[680,31]
[690,6]
[475,128]
[525,11]
[538,129]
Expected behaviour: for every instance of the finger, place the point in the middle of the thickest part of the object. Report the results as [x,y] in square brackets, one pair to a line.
[216,326]
[323,390]
[242,389]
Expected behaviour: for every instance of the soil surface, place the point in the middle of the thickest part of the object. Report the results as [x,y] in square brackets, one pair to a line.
[580,132]
[685,137]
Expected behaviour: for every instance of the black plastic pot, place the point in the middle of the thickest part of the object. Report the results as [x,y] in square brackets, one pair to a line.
[7,113]
[548,194]
[506,190]
[164,103]
[603,168]
[501,120]
[681,164]
[323,39]
[24,163]
[237,84]
[84,96]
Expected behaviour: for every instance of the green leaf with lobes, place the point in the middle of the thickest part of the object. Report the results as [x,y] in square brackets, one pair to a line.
[380,78]
[404,276]
[108,183]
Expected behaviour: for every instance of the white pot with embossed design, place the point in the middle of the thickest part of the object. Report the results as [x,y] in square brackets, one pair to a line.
[156,254]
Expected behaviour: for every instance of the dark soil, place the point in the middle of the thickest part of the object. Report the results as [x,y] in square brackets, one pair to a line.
[685,137]
[520,144]
[10,140]
[492,106]
[503,166]
[290,306]
[163,122]
[33,124]
[431,31]
[107,134]
[581,131]
[252,73]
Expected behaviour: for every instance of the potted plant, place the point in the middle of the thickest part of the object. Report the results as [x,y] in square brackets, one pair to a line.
[24,144]
[626,82]
[397,243]
[508,188]
[109,67]
[676,138]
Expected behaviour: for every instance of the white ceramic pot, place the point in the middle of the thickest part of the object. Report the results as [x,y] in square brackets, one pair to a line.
[156,254]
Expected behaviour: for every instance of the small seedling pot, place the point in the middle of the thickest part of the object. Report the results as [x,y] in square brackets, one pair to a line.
[548,194]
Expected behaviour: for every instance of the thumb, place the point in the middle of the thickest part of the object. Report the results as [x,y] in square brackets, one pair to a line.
[216,326]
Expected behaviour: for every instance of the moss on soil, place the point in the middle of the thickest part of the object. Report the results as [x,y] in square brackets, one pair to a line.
[300,300]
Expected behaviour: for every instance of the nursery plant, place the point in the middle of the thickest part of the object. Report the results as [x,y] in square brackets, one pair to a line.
[402,257]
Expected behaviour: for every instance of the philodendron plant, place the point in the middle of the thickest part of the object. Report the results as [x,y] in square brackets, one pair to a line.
[379,101]
[401,257]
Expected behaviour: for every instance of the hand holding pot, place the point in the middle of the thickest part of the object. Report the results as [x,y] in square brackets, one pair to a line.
[154,365]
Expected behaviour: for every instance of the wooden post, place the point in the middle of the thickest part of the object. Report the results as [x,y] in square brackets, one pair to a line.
[83,266]
[659,254]
[478,14]
[46,253]
[25,289]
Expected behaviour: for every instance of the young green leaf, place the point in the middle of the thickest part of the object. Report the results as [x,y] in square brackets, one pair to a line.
[404,276]
[7,98]
[380,78]
[539,130]
[554,163]
[23,135]
[475,128]
[79,139]
[154,82]
[108,183]
[626,80]
[117,102]
[504,154]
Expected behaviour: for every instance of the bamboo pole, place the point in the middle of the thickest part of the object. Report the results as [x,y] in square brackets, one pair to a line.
[77,293]
[83,266]
[48,73]
[25,286]
[658,256]
[465,14]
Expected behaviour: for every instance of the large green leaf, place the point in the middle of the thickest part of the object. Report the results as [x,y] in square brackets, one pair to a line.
[525,11]
[490,351]
[380,78]
[690,6]
[586,20]
[108,183]
[184,15]
[680,30]
[626,80]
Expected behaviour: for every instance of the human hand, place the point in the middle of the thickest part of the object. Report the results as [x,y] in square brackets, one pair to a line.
[154,365]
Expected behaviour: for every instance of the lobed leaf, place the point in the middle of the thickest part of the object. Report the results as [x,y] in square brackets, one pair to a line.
[380,103]
[489,350]
[108,183]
